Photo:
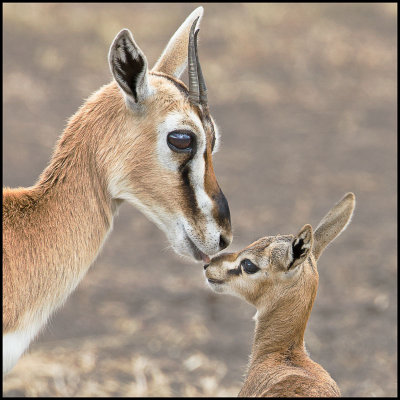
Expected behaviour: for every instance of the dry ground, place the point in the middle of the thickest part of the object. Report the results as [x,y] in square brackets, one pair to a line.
[305,98]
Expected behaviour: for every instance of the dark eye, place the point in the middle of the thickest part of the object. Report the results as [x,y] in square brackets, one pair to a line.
[249,267]
[180,141]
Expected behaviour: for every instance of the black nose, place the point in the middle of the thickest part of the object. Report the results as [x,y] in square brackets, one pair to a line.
[223,209]
[205,267]
[223,242]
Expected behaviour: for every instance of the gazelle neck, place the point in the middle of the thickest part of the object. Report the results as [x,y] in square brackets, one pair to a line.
[74,196]
[73,189]
[280,329]
[59,225]
[61,222]
[273,335]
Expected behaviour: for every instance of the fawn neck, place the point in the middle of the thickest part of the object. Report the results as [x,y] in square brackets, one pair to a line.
[280,328]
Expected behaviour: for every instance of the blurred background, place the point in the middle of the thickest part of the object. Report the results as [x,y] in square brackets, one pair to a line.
[305,99]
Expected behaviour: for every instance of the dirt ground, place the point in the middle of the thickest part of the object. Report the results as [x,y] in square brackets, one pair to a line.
[305,99]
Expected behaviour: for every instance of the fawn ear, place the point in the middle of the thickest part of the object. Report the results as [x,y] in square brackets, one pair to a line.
[174,58]
[128,65]
[300,247]
[334,223]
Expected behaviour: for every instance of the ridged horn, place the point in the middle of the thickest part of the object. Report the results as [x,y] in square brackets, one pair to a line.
[194,94]
[201,82]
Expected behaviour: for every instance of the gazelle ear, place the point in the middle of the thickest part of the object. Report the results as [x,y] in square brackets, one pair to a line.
[334,223]
[300,247]
[128,65]
[174,58]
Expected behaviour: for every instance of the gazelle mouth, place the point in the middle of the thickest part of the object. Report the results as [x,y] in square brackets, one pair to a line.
[216,281]
[197,253]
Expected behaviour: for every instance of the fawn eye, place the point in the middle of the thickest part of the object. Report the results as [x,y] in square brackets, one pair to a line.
[180,142]
[249,267]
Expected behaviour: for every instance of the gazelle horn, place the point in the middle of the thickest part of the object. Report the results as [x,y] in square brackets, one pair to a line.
[197,86]
[202,84]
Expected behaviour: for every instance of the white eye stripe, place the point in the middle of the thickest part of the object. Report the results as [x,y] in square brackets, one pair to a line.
[197,169]
[173,122]
[176,121]
[217,135]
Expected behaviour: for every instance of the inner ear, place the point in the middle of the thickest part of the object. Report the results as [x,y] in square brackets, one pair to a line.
[300,246]
[128,65]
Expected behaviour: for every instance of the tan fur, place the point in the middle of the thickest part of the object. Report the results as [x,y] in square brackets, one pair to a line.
[283,290]
[111,150]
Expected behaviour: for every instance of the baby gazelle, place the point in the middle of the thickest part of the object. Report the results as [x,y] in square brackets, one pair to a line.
[278,275]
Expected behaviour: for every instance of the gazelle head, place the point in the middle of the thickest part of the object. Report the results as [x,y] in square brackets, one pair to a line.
[280,271]
[162,159]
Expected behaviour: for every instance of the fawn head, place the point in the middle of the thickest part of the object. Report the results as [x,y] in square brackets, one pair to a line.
[282,269]
[162,160]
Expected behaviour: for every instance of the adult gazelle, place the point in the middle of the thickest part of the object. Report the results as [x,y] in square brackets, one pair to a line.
[145,138]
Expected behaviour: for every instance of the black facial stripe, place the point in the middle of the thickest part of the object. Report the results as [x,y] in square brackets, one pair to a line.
[188,190]
[213,142]
[184,168]
[205,156]
[213,136]
[236,271]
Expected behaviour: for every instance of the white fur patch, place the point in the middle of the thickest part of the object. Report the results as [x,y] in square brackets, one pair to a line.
[255,316]
[15,344]
[217,144]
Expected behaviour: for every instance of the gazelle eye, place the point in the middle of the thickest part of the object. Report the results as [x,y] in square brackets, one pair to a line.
[180,141]
[249,267]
